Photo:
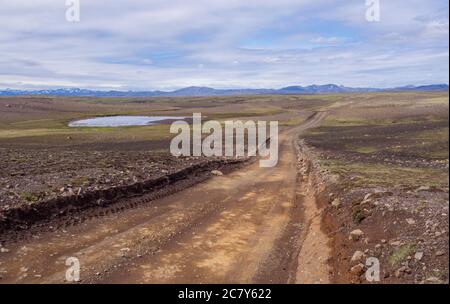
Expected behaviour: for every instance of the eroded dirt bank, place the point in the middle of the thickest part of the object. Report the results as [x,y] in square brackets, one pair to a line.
[251,225]
[315,254]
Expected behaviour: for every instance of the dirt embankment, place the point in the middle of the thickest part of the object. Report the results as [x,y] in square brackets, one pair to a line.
[404,228]
[315,252]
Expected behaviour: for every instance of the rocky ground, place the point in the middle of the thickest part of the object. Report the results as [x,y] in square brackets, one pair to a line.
[29,177]
[406,229]
[391,204]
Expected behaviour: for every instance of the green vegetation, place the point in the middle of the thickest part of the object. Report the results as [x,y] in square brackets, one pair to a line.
[31,197]
[375,174]
[401,254]
[292,122]
[79,181]
[64,134]
[419,138]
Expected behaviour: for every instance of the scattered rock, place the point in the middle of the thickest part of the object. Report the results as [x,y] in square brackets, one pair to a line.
[336,203]
[402,270]
[423,188]
[365,201]
[4,250]
[410,221]
[356,234]
[440,252]
[101,202]
[216,172]
[418,256]
[80,191]
[395,243]
[357,269]
[357,256]
[124,251]
[433,280]
[367,196]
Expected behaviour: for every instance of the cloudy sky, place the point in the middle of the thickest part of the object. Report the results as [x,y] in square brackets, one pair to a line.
[169,44]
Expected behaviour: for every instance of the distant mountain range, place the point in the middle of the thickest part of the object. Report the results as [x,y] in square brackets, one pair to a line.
[205,91]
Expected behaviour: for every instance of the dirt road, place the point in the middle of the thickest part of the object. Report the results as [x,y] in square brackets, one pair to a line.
[252,225]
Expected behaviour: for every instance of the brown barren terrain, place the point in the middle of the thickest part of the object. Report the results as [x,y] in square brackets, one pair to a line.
[132,213]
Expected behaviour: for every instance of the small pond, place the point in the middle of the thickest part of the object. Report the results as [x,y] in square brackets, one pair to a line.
[121,121]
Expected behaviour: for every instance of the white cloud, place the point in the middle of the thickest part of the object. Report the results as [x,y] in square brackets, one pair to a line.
[170,44]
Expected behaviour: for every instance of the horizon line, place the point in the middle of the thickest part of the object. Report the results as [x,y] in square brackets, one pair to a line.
[219,89]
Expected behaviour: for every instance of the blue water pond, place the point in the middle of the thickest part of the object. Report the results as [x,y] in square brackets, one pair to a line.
[121,121]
